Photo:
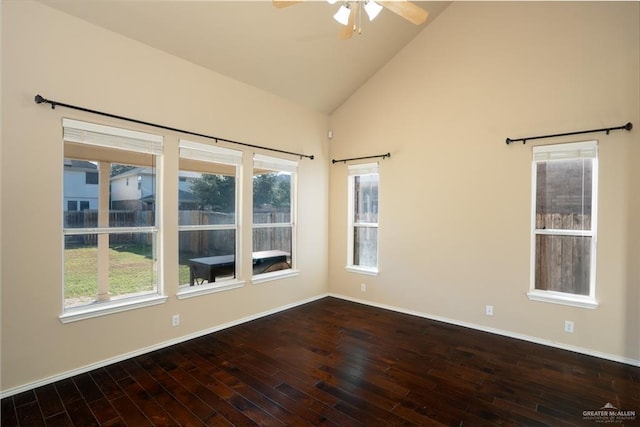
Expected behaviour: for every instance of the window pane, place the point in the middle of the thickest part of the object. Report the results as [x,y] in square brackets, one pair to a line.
[132,205]
[276,241]
[563,194]
[125,205]
[206,199]
[366,198]
[272,198]
[272,238]
[563,263]
[365,246]
[130,263]
[80,270]
[203,244]
[75,187]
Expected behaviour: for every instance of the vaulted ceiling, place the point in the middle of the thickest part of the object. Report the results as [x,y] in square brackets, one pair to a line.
[293,52]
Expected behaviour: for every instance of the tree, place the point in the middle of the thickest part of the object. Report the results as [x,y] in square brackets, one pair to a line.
[271,190]
[215,192]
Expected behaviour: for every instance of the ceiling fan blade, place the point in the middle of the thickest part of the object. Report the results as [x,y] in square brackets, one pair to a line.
[285,3]
[407,10]
[346,31]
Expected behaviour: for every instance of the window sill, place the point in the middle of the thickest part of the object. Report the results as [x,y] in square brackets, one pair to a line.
[562,298]
[276,275]
[210,288]
[362,270]
[111,307]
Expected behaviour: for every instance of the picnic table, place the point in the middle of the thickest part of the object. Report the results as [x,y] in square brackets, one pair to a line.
[207,268]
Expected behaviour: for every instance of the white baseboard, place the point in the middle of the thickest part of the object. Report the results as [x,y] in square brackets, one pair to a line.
[536,340]
[138,352]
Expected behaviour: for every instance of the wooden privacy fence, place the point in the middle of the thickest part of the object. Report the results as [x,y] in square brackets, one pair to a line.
[563,263]
[89,219]
[197,242]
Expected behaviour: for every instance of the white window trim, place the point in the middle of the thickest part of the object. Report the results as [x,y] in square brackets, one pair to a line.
[562,298]
[358,170]
[112,137]
[103,309]
[274,275]
[209,288]
[280,165]
[576,150]
[212,154]
[362,270]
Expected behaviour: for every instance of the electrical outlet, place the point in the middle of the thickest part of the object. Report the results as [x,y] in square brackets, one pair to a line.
[568,326]
[488,310]
[175,320]
[363,287]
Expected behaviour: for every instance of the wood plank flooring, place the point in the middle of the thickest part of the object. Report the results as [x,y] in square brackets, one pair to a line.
[337,363]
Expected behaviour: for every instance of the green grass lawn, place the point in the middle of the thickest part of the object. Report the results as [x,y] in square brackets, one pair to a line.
[131,270]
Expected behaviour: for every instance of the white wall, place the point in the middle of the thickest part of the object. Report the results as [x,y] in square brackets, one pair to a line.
[455,203]
[68,60]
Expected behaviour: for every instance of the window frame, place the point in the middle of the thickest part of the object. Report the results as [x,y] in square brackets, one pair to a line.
[361,169]
[277,164]
[208,153]
[95,135]
[559,152]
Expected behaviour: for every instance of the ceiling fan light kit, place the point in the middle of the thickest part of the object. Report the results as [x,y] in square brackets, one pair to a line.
[346,14]
[342,15]
[372,8]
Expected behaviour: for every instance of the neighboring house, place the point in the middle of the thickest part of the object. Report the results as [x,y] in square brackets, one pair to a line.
[135,190]
[80,185]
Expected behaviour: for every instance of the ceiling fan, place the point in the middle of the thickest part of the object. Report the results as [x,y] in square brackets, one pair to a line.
[350,12]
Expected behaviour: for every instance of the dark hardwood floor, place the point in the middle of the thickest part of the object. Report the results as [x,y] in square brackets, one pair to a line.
[333,362]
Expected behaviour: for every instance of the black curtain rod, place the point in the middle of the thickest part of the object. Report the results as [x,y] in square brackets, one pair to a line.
[627,126]
[334,161]
[40,100]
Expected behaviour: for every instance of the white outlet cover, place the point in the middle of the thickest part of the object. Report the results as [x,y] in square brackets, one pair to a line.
[568,326]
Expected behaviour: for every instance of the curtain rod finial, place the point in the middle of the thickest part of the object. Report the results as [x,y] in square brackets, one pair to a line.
[628,126]
[39,99]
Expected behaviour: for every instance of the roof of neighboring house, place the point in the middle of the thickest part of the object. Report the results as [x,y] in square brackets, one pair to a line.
[79,164]
[134,172]
[149,171]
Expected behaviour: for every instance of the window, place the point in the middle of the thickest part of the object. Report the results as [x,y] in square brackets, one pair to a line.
[72,205]
[274,183]
[111,252]
[362,239]
[91,178]
[564,222]
[84,205]
[207,223]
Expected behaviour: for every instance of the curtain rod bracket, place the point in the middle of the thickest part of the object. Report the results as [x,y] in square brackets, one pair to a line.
[40,99]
